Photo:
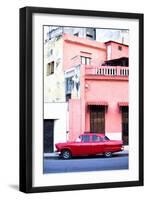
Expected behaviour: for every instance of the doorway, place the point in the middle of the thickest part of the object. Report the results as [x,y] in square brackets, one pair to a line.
[48,135]
[97,119]
[125,125]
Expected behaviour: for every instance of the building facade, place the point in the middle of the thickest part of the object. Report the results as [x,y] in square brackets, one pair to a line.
[85,89]
[52,32]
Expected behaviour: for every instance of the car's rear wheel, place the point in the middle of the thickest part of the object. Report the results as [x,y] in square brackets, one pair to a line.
[108,154]
[66,154]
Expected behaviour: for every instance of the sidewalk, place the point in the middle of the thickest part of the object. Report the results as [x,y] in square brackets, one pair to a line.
[56,154]
[51,155]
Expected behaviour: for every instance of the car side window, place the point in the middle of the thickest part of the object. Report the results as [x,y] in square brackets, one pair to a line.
[85,138]
[96,138]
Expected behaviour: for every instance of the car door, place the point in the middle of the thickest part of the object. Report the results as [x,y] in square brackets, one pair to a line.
[85,146]
[97,144]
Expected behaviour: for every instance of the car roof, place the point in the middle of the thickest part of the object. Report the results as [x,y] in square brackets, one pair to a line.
[98,134]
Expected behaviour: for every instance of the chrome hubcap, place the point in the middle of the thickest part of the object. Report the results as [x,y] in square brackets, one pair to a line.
[108,154]
[66,154]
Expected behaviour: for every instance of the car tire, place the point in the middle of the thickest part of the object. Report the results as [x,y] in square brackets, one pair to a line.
[108,154]
[66,154]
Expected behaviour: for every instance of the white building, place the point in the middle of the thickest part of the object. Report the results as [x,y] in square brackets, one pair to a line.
[55,106]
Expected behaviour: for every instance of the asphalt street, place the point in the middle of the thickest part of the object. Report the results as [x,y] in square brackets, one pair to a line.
[81,164]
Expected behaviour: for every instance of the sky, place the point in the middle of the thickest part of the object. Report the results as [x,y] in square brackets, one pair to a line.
[103,35]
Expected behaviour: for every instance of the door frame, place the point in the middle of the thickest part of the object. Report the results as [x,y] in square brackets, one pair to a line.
[104,110]
[53,121]
[127,110]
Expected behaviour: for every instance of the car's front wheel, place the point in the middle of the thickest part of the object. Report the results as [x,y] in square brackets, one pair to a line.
[66,154]
[108,154]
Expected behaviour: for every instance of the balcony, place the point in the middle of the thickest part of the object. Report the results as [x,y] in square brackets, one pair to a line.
[107,70]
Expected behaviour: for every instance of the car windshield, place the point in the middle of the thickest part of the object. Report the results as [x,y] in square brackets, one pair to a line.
[106,138]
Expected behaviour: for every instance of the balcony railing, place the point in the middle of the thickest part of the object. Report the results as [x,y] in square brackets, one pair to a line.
[101,70]
[107,70]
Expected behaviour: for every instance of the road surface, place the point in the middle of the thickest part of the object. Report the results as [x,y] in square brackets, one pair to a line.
[82,164]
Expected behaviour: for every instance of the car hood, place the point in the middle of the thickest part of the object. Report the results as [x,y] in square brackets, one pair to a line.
[64,143]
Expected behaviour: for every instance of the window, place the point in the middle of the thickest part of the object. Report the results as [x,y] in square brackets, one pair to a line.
[69,85]
[119,48]
[50,53]
[85,138]
[85,60]
[89,36]
[68,96]
[50,68]
[76,34]
[96,138]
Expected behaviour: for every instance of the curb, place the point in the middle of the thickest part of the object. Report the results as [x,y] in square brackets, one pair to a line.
[55,154]
[50,155]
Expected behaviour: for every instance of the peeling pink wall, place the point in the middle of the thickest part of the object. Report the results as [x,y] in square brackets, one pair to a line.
[111,91]
[95,88]
[74,119]
[75,46]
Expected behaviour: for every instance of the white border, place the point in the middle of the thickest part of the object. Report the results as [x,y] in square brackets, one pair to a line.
[39,179]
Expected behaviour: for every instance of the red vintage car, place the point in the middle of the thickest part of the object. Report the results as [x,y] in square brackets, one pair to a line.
[89,144]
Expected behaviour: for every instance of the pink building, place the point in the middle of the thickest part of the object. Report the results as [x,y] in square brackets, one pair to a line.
[96,79]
